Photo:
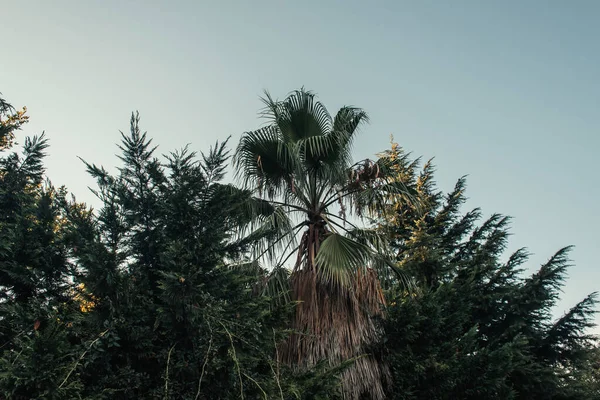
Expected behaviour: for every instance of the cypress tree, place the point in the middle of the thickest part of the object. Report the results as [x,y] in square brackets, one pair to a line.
[475,327]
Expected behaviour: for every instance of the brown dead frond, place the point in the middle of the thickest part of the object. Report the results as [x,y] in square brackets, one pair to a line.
[338,323]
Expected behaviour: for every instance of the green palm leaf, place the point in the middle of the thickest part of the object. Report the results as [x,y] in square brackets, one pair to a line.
[297,117]
[264,161]
[339,257]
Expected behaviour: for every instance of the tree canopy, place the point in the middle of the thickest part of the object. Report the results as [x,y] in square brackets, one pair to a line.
[476,327]
[182,286]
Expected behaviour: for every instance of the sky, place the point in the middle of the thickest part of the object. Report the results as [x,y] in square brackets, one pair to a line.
[507,92]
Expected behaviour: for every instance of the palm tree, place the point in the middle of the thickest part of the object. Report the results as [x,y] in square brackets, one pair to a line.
[300,163]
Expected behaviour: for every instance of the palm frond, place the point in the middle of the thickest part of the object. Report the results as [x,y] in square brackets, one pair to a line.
[371,237]
[301,117]
[266,229]
[277,286]
[348,119]
[265,162]
[339,257]
[325,157]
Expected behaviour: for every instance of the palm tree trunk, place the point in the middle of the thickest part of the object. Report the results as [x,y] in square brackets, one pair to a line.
[336,324]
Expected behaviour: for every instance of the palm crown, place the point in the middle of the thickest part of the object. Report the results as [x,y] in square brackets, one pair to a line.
[301,161]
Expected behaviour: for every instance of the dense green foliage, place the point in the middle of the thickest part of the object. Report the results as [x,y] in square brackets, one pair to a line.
[139,299]
[475,327]
[156,294]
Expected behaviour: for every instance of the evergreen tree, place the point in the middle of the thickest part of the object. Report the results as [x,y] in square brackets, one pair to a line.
[178,311]
[35,302]
[157,294]
[150,296]
[475,328]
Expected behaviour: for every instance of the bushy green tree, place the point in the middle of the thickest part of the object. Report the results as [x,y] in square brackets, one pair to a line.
[178,309]
[157,293]
[147,262]
[150,296]
[475,327]
[35,302]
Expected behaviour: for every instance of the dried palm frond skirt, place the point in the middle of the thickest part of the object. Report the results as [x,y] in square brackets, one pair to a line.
[336,324]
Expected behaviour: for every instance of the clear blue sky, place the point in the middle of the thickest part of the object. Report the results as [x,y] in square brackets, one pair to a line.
[506,92]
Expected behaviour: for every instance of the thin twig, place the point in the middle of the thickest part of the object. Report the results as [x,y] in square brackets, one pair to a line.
[167,372]
[277,361]
[17,357]
[205,361]
[256,383]
[81,357]
[235,360]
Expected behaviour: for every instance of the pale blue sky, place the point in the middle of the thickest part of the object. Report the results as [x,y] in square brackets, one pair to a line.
[504,91]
